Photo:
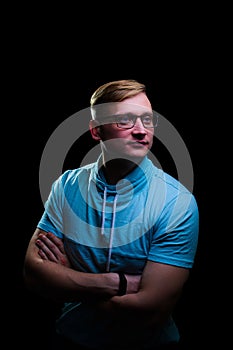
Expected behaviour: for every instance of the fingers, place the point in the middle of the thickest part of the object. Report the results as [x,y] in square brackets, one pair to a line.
[57,241]
[42,255]
[52,248]
[47,250]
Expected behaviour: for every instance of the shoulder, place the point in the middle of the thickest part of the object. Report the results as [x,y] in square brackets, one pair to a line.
[161,178]
[172,191]
[71,175]
[171,183]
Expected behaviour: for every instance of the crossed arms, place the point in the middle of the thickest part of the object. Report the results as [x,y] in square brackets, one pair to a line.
[47,271]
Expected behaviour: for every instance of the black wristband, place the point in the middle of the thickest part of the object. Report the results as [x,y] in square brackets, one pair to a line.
[123,284]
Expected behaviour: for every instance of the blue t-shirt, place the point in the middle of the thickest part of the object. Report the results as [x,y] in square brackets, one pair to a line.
[148,215]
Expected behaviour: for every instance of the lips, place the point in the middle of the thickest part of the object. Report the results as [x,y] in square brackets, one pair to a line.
[143,143]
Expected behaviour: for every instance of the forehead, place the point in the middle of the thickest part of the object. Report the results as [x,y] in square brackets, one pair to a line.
[138,105]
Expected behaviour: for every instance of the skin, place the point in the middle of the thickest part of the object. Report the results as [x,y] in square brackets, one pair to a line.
[122,149]
[150,297]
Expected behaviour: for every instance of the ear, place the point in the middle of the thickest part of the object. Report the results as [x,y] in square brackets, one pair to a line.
[95,130]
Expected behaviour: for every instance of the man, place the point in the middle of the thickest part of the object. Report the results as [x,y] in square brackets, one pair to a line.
[118,237]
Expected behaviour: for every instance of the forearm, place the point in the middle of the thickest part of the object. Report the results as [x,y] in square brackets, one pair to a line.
[61,283]
[128,304]
[133,312]
[48,271]
[160,288]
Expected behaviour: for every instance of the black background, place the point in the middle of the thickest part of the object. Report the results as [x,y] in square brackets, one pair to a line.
[50,77]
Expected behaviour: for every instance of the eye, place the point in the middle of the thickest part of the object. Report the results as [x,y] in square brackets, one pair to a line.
[147,119]
[123,119]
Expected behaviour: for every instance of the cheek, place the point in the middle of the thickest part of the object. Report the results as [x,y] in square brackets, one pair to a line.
[109,132]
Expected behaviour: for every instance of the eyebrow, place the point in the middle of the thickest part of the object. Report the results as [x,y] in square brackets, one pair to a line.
[132,114]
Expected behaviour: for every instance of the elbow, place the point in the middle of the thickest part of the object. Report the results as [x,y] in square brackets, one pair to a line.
[28,279]
[31,275]
[27,275]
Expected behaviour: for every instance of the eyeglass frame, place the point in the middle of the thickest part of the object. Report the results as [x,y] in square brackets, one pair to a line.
[132,118]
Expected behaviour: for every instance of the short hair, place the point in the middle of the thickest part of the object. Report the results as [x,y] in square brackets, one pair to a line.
[116,91]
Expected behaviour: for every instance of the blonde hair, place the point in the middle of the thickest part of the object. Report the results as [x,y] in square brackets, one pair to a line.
[116,91]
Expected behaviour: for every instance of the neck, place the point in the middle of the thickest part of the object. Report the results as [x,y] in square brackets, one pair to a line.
[117,169]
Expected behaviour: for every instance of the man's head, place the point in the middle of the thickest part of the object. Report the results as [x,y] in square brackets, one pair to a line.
[122,119]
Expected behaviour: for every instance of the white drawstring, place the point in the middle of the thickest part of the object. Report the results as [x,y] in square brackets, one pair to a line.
[111,234]
[103,210]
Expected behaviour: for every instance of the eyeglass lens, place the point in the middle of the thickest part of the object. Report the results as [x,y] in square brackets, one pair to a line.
[128,121]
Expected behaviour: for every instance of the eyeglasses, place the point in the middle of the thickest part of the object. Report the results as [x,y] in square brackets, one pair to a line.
[127,121]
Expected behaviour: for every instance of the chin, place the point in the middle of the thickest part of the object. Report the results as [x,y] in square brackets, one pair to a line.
[136,156]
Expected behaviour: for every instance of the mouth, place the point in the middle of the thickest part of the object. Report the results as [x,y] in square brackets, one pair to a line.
[138,143]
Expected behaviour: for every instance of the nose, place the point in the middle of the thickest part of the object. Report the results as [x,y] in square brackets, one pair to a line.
[138,126]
